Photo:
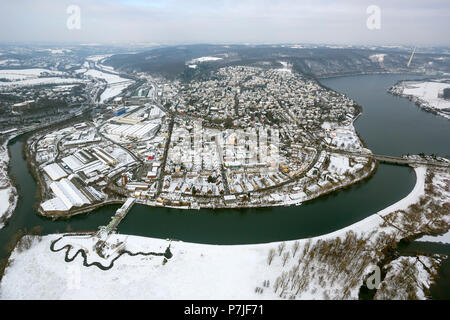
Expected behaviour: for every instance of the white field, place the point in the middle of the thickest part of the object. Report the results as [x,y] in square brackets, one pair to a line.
[339,163]
[428,92]
[377,57]
[111,92]
[195,271]
[203,59]
[31,77]
[116,84]
[23,74]
[110,78]
[97,58]
[82,70]
[286,67]
[59,51]
[40,81]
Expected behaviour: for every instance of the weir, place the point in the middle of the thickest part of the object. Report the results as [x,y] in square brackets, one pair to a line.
[118,217]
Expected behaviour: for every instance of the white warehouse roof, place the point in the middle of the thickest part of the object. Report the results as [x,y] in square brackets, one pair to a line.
[69,194]
[55,172]
[72,162]
[55,204]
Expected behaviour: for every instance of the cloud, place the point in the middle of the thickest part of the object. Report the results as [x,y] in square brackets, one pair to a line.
[233,21]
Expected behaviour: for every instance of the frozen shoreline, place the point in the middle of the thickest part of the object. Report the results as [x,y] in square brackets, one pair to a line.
[424,94]
[7,189]
[443,238]
[195,271]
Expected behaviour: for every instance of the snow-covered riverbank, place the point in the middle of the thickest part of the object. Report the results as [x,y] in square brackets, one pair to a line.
[444,238]
[426,94]
[195,271]
[8,193]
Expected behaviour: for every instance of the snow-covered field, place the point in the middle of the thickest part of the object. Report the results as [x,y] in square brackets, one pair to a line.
[116,84]
[33,77]
[109,78]
[8,62]
[23,74]
[98,58]
[427,94]
[59,51]
[377,57]
[204,59]
[195,271]
[111,92]
[286,67]
[428,91]
[40,81]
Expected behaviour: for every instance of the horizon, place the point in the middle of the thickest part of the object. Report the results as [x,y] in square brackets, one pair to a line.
[173,22]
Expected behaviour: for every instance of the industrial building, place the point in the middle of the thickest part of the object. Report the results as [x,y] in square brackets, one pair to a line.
[138,131]
[55,172]
[67,197]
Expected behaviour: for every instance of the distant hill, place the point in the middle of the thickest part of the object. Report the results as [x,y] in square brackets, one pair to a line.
[172,62]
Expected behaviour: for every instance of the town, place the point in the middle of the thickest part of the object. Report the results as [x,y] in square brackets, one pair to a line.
[270,138]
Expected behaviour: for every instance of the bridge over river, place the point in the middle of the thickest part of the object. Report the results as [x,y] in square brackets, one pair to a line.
[118,217]
[394,160]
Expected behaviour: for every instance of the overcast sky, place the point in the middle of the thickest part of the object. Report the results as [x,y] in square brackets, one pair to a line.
[411,22]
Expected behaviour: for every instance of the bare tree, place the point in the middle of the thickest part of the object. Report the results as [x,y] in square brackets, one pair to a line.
[277,284]
[285,257]
[281,247]
[271,256]
[295,248]
[284,283]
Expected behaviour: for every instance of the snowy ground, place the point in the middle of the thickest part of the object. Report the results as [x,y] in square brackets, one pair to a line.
[428,91]
[6,189]
[407,278]
[33,77]
[116,84]
[22,74]
[195,271]
[428,94]
[5,206]
[444,238]
[204,59]
[286,67]
[378,57]
[40,82]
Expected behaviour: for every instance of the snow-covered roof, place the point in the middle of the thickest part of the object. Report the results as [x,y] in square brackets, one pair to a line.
[66,191]
[72,162]
[55,172]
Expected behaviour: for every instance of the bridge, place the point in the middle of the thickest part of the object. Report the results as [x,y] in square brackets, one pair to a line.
[118,217]
[393,159]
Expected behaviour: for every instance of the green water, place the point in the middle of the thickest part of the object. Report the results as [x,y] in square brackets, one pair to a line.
[389,125]
[225,226]
[320,216]
[26,217]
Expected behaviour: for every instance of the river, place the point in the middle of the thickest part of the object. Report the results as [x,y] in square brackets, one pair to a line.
[389,125]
